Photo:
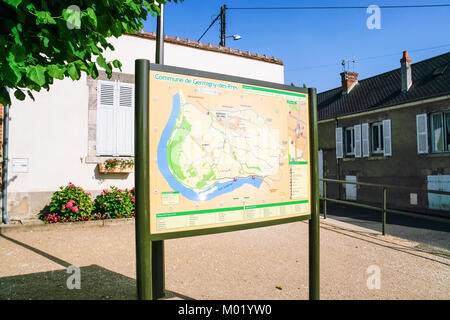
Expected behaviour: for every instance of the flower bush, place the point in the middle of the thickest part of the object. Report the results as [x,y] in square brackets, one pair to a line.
[115,203]
[71,203]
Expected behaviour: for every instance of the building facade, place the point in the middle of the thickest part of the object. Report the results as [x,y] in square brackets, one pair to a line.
[390,129]
[65,133]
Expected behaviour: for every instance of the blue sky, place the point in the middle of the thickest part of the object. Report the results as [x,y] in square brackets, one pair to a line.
[312,43]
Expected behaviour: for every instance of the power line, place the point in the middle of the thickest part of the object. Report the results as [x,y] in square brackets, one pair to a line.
[341,7]
[214,21]
[368,58]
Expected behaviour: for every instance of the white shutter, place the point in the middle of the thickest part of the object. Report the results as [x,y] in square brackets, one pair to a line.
[125,119]
[357,130]
[339,144]
[106,134]
[387,139]
[365,140]
[422,133]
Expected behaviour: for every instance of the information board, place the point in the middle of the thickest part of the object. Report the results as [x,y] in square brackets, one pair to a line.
[224,153]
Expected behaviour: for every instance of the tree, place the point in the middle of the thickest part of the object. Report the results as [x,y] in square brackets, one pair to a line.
[51,39]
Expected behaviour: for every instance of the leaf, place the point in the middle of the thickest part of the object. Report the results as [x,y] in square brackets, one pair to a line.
[18,53]
[36,74]
[30,95]
[56,71]
[19,94]
[4,96]
[73,72]
[102,62]
[72,17]
[117,64]
[44,17]
[14,3]
[92,17]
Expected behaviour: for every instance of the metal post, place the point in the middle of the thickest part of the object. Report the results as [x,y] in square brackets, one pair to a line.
[142,178]
[314,223]
[324,199]
[5,164]
[159,56]
[383,218]
[157,247]
[222,25]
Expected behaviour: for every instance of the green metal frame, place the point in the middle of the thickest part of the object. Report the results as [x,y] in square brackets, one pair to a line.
[384,209]
[150,247]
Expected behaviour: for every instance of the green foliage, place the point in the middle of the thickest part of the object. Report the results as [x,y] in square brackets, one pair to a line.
[48,39]
[71,203]
[120,163]
[115,203]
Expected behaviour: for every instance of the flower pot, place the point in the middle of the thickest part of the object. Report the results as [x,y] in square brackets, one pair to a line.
[117,169]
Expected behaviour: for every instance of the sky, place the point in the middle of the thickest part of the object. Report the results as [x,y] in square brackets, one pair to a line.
[312,43]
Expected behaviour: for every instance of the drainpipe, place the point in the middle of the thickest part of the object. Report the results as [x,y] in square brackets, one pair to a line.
[5,164]
[338,171]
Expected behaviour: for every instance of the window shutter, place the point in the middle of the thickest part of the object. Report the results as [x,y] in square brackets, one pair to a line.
[365,140]
[387,137]
[422,133]
[125,119]
[339,145]
[105,118]
[357,130]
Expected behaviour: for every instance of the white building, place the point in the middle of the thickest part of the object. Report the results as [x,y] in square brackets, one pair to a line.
[55,140]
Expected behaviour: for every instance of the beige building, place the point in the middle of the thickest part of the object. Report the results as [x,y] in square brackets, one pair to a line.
[65,133]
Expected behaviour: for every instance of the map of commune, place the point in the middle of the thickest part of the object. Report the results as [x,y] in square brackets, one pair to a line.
[225,153]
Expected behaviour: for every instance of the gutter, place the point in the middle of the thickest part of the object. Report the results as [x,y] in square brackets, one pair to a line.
[5,164]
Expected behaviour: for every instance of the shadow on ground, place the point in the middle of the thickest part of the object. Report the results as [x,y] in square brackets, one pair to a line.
[96,283]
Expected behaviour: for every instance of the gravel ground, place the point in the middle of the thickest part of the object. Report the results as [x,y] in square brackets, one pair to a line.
[257,264]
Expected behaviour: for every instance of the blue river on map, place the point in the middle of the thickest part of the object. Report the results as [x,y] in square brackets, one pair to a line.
[163,165]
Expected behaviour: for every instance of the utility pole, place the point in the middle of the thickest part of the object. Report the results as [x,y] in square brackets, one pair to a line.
[222,25]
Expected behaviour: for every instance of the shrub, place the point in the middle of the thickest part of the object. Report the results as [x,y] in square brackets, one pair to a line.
[115,203]
[71,203]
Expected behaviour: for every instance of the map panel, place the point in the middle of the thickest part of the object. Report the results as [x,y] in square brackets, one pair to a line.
[225,153]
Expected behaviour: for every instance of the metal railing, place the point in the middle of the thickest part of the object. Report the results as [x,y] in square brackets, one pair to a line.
[383,208]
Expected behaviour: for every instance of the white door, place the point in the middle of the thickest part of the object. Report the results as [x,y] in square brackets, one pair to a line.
[350,189]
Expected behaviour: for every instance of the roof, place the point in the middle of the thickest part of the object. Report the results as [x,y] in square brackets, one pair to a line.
[430,78]
[209,47]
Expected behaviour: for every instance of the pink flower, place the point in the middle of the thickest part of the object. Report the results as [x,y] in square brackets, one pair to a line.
[79,188]
[63,207]
[120,199]
[75,209]
[120,190]
[133,199]
[72,186]
[69,204]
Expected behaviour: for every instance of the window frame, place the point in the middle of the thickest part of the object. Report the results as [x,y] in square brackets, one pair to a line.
[445,142]
[352,144]
[378,124]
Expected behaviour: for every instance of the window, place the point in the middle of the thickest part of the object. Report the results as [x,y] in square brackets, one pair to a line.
[377,137]
[349,141]
[115,118]
[440,132]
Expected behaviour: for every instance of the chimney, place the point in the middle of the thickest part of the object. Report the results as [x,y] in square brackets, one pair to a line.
[406,73]
[349,81]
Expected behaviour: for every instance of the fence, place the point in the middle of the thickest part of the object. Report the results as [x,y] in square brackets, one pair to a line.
[383,208]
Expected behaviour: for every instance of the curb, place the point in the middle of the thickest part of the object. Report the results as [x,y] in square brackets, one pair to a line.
[37,225]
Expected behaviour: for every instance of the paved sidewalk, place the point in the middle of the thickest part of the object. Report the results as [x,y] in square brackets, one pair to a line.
[264,263]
